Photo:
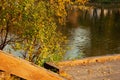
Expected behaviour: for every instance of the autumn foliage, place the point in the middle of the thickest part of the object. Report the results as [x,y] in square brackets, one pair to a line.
[30,26]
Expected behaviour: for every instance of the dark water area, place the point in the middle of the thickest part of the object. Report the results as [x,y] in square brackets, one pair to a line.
[93,32]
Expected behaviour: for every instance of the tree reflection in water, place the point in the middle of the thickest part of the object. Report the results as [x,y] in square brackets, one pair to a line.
[97,33]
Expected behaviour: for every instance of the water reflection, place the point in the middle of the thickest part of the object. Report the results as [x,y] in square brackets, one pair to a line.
[17,53]
[78,41]
[98,32]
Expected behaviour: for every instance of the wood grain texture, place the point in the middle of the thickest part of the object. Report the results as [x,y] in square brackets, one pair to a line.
[25,69]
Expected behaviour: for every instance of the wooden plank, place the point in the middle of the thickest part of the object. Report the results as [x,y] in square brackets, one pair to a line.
[24,69]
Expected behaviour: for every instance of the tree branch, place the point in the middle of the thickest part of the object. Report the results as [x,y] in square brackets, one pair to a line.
[6,36]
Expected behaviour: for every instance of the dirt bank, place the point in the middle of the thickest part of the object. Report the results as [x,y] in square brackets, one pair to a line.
[101,68]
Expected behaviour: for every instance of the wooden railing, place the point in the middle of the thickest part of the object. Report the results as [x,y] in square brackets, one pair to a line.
[24,69]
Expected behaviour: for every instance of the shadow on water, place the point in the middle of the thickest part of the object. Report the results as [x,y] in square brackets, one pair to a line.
[93,32]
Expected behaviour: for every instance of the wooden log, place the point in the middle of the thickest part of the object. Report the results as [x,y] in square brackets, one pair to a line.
[25,69]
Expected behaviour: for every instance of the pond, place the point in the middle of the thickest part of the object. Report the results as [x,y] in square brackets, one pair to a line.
[93,32]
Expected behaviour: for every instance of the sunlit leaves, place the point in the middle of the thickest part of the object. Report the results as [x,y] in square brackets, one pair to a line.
[61,8]
[34,24]
[41,42]
[81,1]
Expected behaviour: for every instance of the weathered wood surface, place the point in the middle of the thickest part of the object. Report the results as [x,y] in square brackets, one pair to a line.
[25,69]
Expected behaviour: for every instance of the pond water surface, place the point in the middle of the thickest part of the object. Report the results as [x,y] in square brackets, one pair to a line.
[93,32]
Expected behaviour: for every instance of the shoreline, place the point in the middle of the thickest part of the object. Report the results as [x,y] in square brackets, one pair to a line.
[93,68]
[105,5]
